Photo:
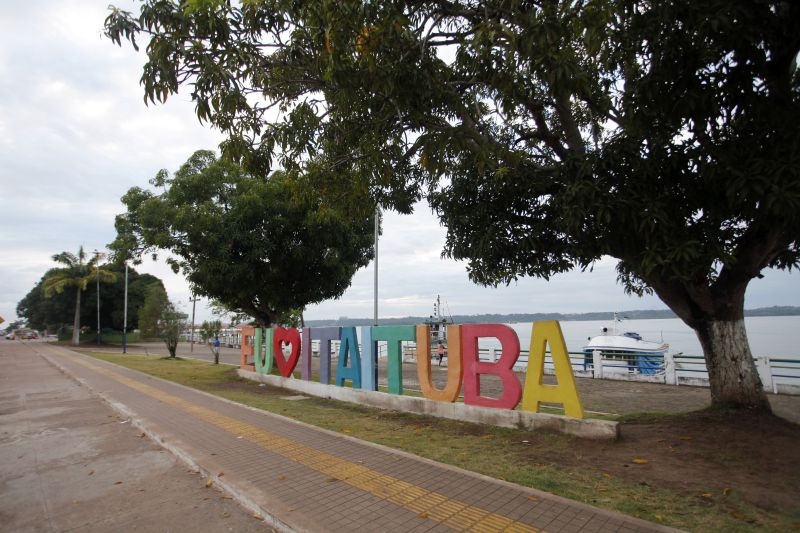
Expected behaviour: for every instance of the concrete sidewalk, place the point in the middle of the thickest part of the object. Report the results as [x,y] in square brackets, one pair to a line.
[302,478]
[69,462]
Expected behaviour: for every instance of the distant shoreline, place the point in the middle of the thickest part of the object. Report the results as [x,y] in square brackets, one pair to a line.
[646,314]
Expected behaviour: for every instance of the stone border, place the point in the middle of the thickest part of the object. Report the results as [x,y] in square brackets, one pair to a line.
[584,428]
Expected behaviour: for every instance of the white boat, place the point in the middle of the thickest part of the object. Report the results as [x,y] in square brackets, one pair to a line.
[644,356]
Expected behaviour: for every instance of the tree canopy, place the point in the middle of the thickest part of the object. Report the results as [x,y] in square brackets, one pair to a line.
[58,310]
[75,273]
[545,134]
[246,240]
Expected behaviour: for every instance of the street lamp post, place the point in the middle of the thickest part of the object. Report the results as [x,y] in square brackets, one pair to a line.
[125,314]
[377,223]
[97,270]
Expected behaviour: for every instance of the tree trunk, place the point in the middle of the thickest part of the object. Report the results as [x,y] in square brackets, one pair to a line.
[76,323]
[172,346]
[716,314]
[732,372]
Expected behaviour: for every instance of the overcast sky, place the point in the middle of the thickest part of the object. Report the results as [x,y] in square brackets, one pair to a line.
[75,135]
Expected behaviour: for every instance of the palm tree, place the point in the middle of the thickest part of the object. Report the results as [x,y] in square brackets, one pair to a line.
[77,272]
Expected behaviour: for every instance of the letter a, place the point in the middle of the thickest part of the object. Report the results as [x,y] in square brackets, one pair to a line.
[565,392]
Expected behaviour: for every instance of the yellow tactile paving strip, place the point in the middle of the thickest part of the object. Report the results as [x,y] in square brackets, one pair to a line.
[432,505]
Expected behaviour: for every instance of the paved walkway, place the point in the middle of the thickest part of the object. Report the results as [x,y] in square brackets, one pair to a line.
[69,462]
[302,478]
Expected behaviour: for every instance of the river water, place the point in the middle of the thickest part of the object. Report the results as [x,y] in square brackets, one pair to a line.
[773,336]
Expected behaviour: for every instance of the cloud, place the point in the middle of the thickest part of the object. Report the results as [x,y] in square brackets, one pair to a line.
[75,135]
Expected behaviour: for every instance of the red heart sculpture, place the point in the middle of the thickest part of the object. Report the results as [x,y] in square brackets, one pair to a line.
[281,336]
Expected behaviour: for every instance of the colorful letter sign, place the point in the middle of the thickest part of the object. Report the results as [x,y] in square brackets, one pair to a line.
[263,350]
[291,337]
[455,372]
[464,367]
[247,348]
[324,336]
[565,392]
[394,337]
[348,351]
[503,368]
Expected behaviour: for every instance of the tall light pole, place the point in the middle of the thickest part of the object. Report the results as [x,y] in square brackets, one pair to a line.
[97,270]
[377,223]
[193,299]
[125,314]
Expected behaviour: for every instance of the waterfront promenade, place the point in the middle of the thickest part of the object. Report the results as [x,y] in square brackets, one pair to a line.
[293,476]
[598,395]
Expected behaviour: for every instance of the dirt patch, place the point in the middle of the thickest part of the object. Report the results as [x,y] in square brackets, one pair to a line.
[705,455]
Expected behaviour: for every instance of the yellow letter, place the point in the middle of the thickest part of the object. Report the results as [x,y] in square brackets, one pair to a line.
[565,392]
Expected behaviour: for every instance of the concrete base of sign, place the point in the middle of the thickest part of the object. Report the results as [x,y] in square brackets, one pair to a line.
[584,428]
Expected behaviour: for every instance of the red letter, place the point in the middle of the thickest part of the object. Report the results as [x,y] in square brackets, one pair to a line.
[503,368]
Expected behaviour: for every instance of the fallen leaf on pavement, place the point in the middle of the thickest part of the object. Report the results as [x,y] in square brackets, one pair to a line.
[639,461]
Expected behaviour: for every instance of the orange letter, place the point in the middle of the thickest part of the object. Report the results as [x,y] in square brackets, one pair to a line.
[247,348]
[455,373]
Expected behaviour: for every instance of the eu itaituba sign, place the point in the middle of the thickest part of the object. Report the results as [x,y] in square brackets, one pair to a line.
[359,366]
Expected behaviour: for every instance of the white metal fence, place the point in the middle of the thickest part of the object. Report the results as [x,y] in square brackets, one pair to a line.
[780,375]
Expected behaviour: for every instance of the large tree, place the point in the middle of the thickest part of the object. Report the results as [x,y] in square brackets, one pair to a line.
[547,134]
[54,312]
[76,273]
[246,240]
